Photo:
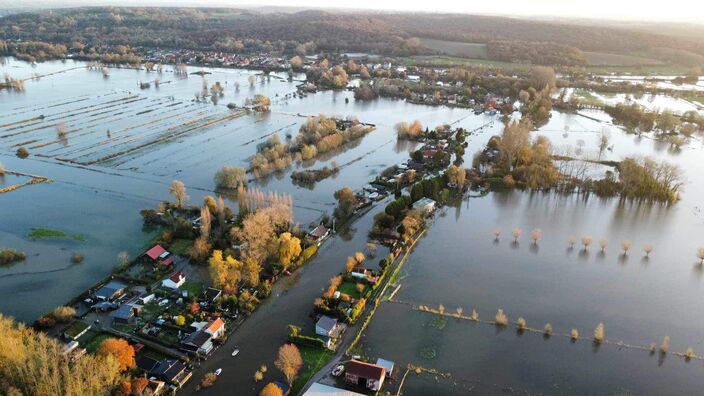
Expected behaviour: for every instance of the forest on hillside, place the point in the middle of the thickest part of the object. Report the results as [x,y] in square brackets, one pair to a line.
[305,32]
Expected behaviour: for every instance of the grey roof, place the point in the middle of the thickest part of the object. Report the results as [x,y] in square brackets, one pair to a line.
[147,364]
[109,290]
[124,312]
[387,364]
[327,323]
[169,370]
[197,338]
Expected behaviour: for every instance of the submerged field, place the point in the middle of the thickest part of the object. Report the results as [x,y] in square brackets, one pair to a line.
[110,149]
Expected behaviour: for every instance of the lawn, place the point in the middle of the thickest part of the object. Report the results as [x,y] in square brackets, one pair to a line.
[194,289]
[180,247]
[36,234]
[313,360]
[349,288]
[93,344]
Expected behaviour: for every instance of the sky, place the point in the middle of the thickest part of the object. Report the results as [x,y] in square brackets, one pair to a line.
[644,10]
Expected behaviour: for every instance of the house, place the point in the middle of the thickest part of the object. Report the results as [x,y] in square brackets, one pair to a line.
[388,365]
[76,330]
[146,364]
[326,326]
[68,348]
[318,389]
[425,205]
[319,233]
[157,387]
[158,255]
[359,273]
[365,374]
[147,298]
[125,314]
[110,291]
[211,294]
[195,326]
[172,371]
[216,328]
[176,280]
[199,342]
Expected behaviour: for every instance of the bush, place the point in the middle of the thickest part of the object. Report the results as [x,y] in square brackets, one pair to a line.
[77,258]
[22,152]
[63,313]
[9,256]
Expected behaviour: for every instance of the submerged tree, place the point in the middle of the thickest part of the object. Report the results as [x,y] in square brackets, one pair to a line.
[536,235]
[547,330]
[497,234]
[665,346]
[700,254]
[648,248]
[516,234]
[602,244]
[178,190]
[586,241]
[501,318]
[599,333]
[625,246]
[574,334]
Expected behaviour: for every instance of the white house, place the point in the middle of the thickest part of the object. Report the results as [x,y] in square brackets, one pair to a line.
[425,205]
[326,326]
[174,281]
[216,328]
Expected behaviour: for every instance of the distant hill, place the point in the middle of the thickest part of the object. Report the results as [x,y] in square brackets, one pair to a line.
[498,38]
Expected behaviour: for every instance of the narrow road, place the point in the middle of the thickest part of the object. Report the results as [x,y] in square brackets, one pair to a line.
[261,335]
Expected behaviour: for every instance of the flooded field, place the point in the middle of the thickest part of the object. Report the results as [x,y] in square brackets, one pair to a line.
[110,149]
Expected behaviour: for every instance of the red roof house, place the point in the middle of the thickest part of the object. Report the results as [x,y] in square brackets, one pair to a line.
[159,255]
[364,374]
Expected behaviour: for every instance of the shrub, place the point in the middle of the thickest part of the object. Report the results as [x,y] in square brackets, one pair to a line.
[63,313]
[475,315]
[689,354]
[22,152]
[77,258]
[46,322]
[521,323]
[665,346]
[599,333]
[574,335]
[501,319]
[208,380]
[9,256]
[547,330]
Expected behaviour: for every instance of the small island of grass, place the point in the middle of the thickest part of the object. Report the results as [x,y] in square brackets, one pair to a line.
[36,234]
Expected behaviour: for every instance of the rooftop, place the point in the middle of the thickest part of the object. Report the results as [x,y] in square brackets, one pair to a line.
[365,370]
[326,322]
[156,252]
[318,389]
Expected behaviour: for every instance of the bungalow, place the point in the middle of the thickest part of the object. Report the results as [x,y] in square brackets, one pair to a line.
[199,342]
[110,291]
[158,255]
[319,233]
[425,205]
[76,330]
[173,371]
[216,328]
[125,313]
[326,326]
[364,374]
[176,280]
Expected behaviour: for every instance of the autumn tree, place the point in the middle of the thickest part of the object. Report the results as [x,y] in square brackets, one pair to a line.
[296,63]
[258,231]
[120,350]
[178,190]
[230,177]
[514,139]
[271,389]
[289,248]
[261,102]
[456,175]
[364,73]
[345,202]
[250,272]
[289,362]
[31,363]
[542,76]
[225,272]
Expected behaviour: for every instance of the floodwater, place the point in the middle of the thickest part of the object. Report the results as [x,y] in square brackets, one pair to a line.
[100,182]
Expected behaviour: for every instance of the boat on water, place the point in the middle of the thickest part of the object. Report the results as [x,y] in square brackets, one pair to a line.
[235,352]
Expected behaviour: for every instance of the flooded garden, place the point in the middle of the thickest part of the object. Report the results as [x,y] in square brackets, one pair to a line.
[107,146]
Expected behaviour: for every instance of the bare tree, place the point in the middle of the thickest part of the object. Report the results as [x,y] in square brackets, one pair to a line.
[178,190]
[626,246]
[516,234]
[289,362]
[586,241]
